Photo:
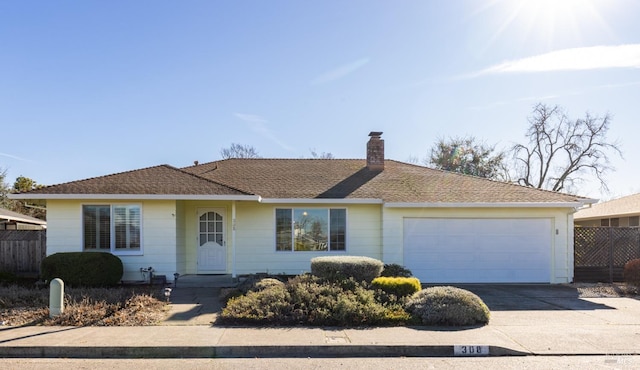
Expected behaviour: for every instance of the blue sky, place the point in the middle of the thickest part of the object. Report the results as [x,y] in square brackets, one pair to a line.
[91,88]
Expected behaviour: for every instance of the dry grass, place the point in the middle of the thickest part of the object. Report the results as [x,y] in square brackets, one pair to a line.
[122,306]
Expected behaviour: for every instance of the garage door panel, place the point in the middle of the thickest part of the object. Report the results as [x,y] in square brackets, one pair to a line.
[478,250]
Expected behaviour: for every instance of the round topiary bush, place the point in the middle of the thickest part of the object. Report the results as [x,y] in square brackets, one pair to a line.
[446,305]
[91,269]
[344,267]
[632,272]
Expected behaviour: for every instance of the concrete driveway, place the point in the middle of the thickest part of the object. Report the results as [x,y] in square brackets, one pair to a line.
[531,297]
[200,306]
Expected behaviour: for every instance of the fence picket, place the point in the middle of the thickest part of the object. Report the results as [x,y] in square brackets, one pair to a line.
[22,251]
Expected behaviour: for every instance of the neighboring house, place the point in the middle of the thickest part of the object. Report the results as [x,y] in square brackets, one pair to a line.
[621,212]
[10,220]
[240,216]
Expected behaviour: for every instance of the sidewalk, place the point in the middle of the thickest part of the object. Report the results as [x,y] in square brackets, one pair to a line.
[597,326]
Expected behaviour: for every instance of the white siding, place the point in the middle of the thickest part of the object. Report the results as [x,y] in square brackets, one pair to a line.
[64,234]
[64,226]
[170,235]
[255,237]
[181,233]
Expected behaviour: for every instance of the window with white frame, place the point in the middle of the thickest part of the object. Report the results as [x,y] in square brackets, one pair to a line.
[311,229]
[114,228]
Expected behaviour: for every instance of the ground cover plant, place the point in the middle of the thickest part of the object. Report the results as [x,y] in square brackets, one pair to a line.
[117,306]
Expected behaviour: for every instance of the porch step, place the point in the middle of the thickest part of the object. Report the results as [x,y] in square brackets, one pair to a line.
[206,281]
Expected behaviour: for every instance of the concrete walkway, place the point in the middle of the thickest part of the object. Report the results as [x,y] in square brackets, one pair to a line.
[193,306]
[529,320]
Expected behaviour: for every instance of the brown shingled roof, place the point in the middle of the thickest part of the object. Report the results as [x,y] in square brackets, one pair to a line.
[311,179]
[158,180]
[350,179]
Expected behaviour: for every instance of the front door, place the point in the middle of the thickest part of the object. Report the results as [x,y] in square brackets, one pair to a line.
[212,251]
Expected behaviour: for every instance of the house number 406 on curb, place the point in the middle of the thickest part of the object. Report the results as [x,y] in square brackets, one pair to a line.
[471,350]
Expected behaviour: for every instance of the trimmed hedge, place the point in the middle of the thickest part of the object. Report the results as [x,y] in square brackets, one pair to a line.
[446,305]
[345,267]
[632,272]
[400,286]
[91,269]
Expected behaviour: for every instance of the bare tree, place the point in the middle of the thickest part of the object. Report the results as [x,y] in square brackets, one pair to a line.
[239,151]
[323,155]
[561,150]
[468,156]
[413,159]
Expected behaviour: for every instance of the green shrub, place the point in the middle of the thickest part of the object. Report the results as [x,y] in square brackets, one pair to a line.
[344,303]
[399,286]
[445,305]
[395,270]
[252,282]
[310,300]
[91,269]
[632,272]
[267,283]
[8,277]
[268,305]
[345,267]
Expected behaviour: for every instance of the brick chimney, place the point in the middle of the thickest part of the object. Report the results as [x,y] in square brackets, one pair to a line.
[375,152]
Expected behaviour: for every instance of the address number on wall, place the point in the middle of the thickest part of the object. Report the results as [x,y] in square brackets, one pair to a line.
[470,350]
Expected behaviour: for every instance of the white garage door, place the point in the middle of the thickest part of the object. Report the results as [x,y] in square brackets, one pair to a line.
[478,250]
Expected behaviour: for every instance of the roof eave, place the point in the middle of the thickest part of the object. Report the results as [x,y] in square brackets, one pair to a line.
[608,215]
[485,205]
[23,220]
[254,198]
[321,201]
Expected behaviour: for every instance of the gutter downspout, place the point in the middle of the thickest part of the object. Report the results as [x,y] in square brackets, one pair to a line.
[571,237]
[233,239]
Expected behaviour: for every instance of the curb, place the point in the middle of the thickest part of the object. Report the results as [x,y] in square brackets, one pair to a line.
[243,351]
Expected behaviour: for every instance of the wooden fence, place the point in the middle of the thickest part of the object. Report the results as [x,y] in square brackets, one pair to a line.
[601,252]
[22,251]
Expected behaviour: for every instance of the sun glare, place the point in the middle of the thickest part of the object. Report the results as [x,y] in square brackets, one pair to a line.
[553,21]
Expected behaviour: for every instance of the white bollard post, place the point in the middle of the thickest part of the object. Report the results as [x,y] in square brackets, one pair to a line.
[56,297]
